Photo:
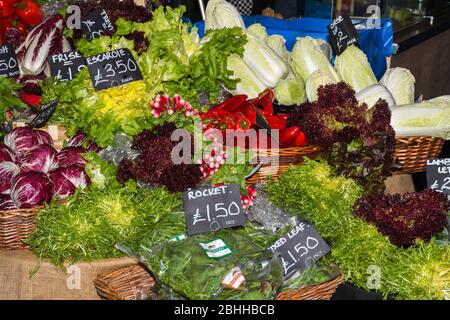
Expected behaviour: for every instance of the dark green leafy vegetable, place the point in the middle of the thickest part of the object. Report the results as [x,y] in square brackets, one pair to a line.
[185,268]
[9,101]
[234,173]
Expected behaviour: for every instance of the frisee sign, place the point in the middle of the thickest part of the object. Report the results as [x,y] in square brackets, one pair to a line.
[66,66]
[300,248]
[342,33]
[438,175]
[9,66]
[96,24]
[113,68]
[213,208]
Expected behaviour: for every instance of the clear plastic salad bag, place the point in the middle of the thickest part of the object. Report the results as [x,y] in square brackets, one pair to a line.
[226,265]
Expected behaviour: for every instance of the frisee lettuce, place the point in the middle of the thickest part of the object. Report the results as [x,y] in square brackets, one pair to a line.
[419,272]
[88,226]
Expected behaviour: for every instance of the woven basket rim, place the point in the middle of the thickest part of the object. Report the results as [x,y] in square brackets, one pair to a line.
[417,137]
[21,212]
[337,274]
[104,279]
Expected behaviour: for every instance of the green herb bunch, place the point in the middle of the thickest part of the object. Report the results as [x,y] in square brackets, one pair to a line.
[9,101]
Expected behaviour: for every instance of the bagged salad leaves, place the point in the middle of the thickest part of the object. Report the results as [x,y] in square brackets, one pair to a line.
[276,221]
[226,265]
[182,266]
[319,273]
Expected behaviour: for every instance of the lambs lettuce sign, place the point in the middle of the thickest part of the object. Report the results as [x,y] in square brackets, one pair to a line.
[438,175]
[213,208]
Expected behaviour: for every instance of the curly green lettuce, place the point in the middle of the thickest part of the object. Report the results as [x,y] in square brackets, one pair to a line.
[420,272]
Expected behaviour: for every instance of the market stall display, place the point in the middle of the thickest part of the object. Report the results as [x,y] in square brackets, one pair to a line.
[159,118]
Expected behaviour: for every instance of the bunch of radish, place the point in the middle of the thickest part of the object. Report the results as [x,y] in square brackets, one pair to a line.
[164,104]
[214,159]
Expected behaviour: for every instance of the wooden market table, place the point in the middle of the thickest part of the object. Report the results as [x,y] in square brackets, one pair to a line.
[50,283]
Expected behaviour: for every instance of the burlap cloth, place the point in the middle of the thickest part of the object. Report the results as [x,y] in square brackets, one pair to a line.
[50,283]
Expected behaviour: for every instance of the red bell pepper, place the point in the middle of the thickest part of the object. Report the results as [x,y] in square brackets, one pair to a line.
[213,113]
[301,140]
[232,104]
[6,8]
[227,123]
[276,122]
[266,100]
[249,111]
[288,136]
[240,140]
[264,136]
[241,121]
[30,99]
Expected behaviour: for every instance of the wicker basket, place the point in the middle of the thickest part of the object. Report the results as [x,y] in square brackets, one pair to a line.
[58,133]
[16,225]
[413,152]
[286,157]
[135,283]
[322,291]
[128,283]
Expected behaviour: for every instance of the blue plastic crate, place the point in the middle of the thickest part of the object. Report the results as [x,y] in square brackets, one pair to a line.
[376,43]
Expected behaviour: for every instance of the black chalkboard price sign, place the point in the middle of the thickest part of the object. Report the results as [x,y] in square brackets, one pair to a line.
[438,175]
[9,66]
[342,33]
[45,112]
[300,248]
[113,68]
[97,23]
[213,208]
[66,66]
